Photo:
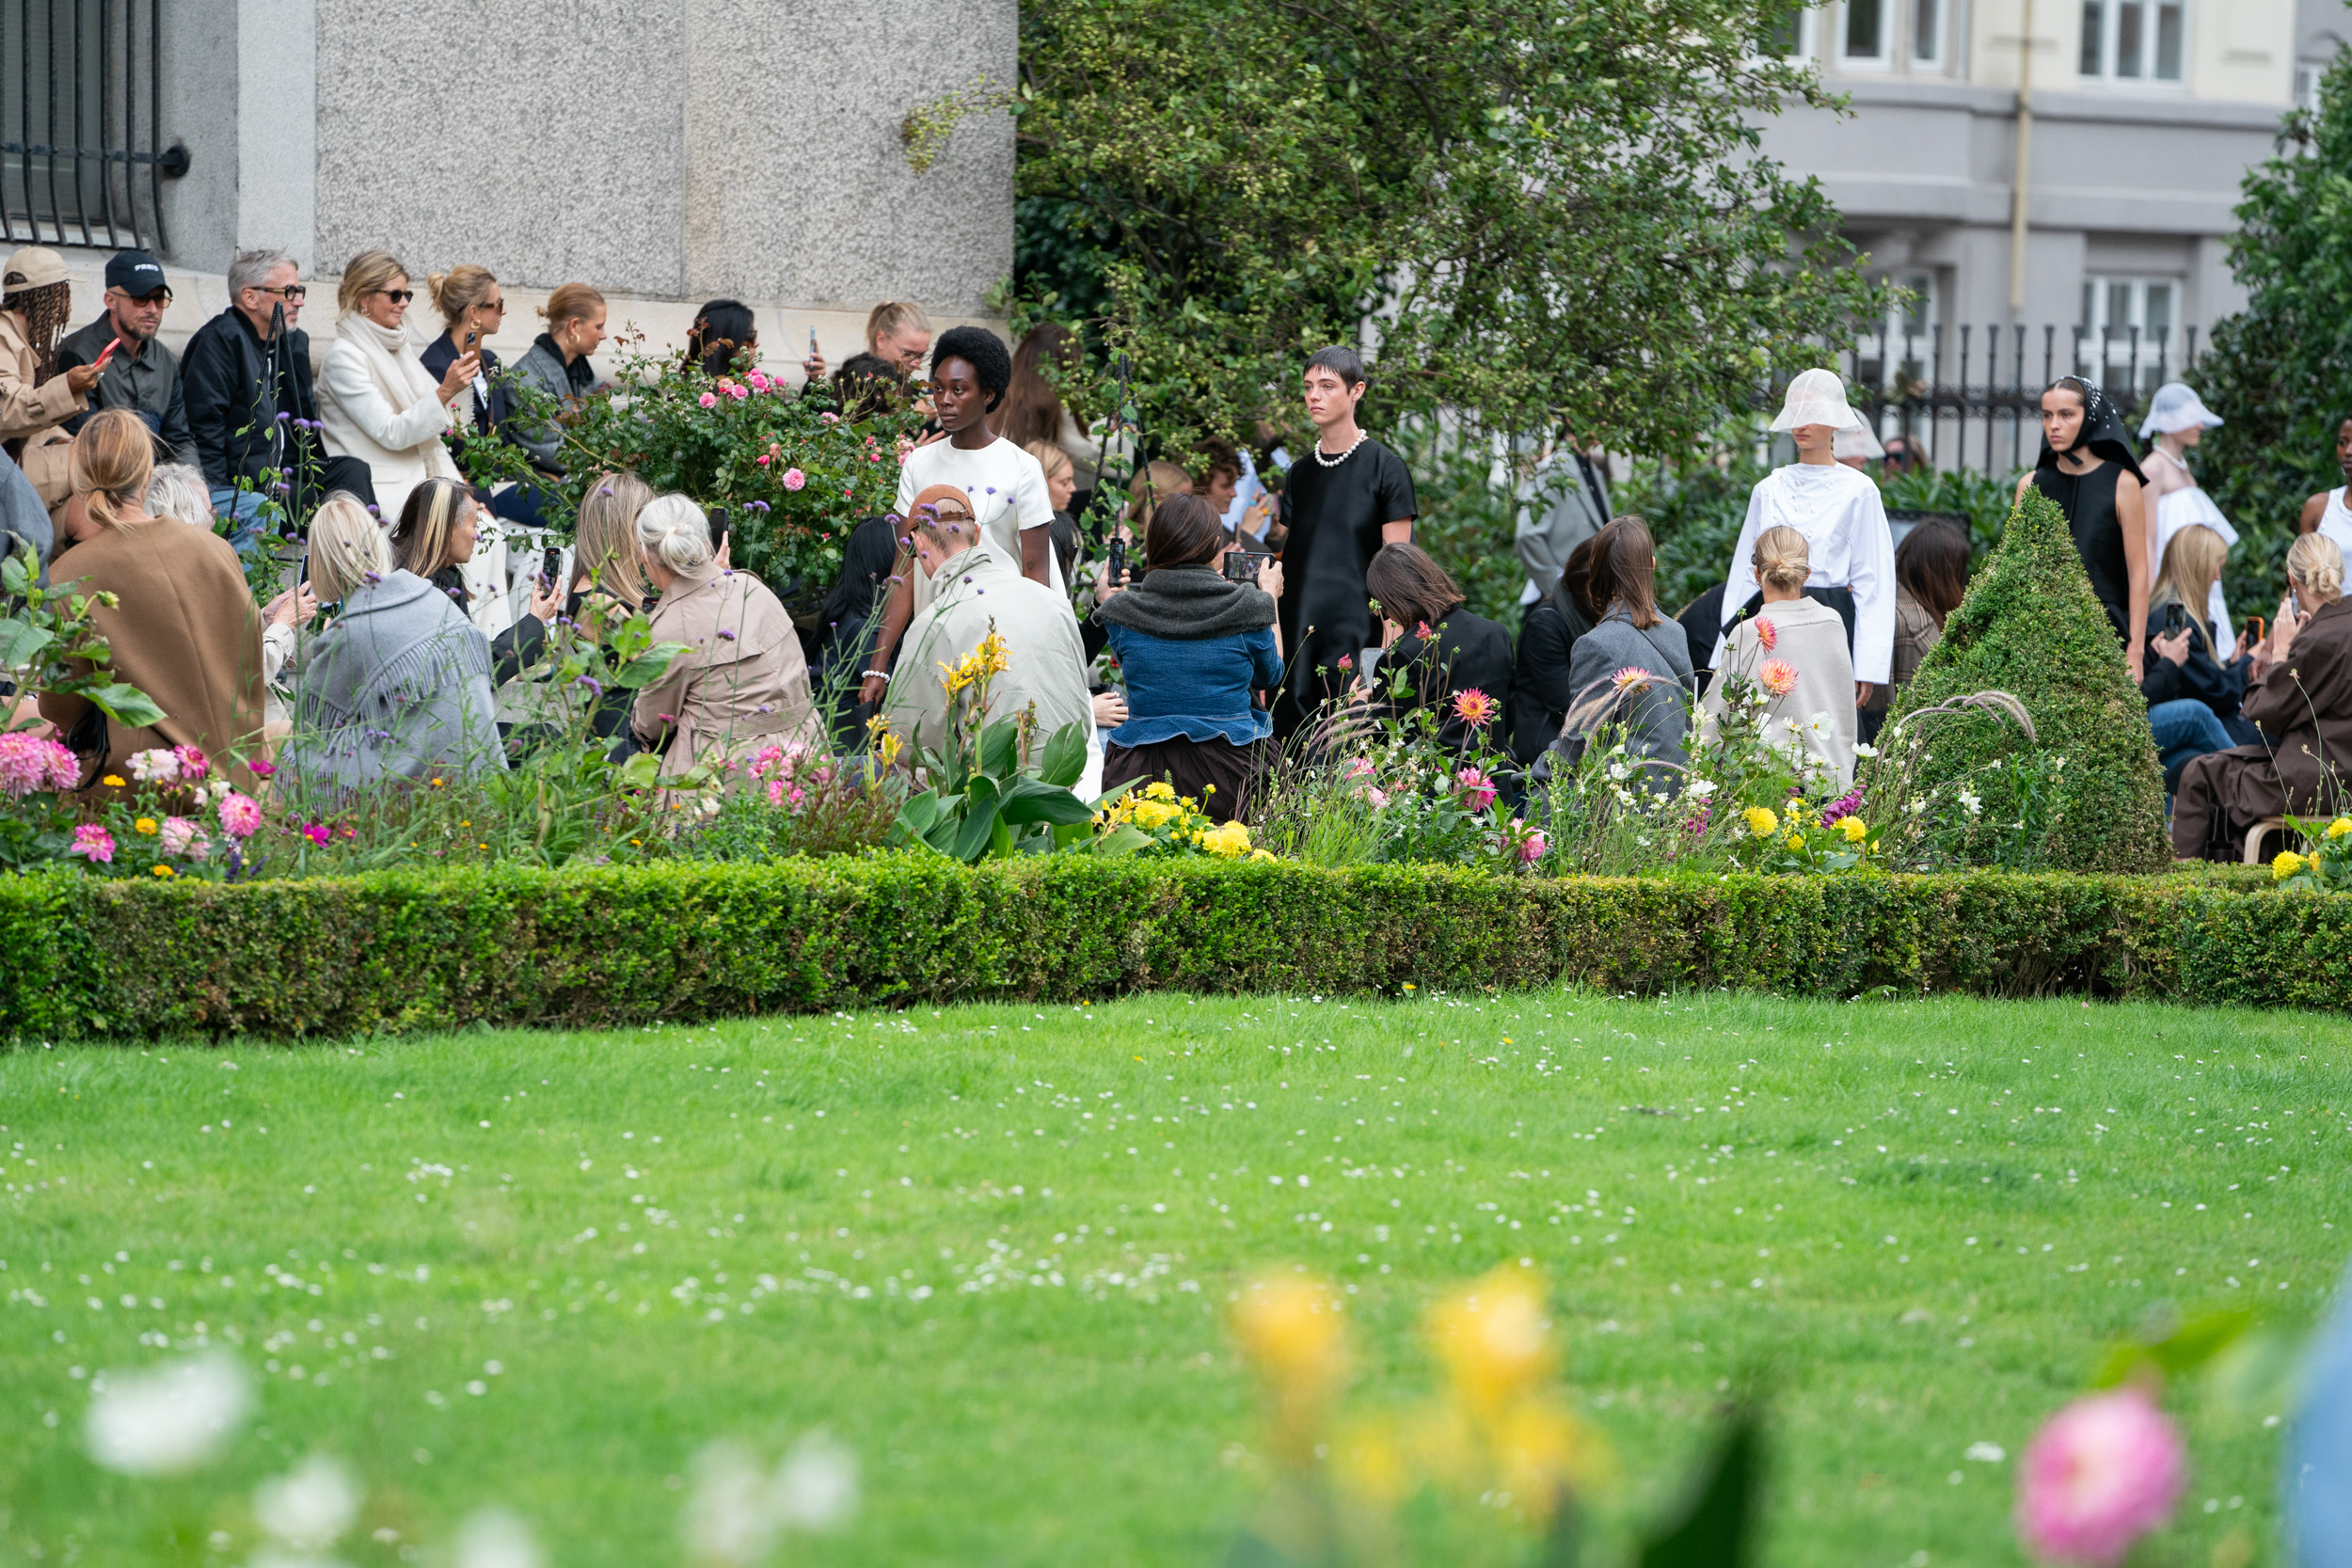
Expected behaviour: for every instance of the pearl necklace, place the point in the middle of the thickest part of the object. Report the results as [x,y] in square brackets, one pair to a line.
[1330,462]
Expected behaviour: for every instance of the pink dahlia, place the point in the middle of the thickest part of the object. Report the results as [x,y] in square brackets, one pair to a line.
[1628,678]
[2099,1473]
[1532,847]
[27,763]
[1473,706]
[1478,790]
[194,764]
[93,843]
[1778,676]
[181,836]
[240,815]
[1766,633]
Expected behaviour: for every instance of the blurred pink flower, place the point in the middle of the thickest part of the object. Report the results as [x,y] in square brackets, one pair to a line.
[259,770]
[1377,796]
[181,836]
[763,460]
[739,393]
[829,417]
[317,832]
[708,400]
[758,380]
[93,843]
[1778,676]
[775,792]
[194,764]
[794,479]
[158,766]
[1532,847]
[1628,678]
[1766,633]
[27,764]
[1356,767]
[240,815]
[2099,1473]
[1478,791]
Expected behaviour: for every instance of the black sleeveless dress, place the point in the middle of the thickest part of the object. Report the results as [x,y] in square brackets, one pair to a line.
[2088,502]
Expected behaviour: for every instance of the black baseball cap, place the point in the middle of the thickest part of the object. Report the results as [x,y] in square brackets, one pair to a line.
[135,273]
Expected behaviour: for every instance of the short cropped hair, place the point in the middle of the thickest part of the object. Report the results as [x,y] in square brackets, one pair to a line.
[1346,363]
[981,349]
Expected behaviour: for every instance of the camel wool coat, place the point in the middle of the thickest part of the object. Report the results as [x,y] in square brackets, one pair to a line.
[741,684]
[186,632]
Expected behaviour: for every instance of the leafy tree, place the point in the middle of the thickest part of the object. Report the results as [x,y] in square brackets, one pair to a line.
[2281,371]
[1545,213]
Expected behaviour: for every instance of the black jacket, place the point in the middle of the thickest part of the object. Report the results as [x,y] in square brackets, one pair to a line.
[1540,689]
[440,354]
[1469,651]
[231,380]
[147,384]
[2219,686]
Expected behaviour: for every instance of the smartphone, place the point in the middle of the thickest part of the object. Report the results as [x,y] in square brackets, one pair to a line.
[2175,617]
[717,529]
[1119,562]
[550,562]
[812,343]
[2256,631]
[1242,567]
[105,353]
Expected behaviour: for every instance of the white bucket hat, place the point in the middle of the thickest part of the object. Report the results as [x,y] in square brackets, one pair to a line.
[1816,397]
[2175,408]
[1858,440]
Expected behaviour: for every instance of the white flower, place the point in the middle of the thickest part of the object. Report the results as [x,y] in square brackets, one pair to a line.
[1701,788]
[1971,802]
[496,1538]
[1985,1453]
[158,766]
[170,1420]
[728,1519]
[1864,748]
[309,1509]
[816,1486]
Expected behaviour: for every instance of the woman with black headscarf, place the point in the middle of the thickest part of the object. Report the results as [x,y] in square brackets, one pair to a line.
[2087,466]
[851,619]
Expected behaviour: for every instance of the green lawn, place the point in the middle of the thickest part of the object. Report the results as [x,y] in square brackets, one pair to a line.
[992,1248]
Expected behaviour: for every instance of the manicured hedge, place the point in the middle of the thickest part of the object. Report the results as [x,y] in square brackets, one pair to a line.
[80,957]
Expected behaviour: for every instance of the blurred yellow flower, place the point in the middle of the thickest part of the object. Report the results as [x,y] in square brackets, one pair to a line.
[1161,790]
[1230,839]
[1796,841]
[1853,828]
[162,870]
[1495,1338]
[145,825]
[2340,827]
[1291,1329]
[1761,822]
[112,781]
[2287,865]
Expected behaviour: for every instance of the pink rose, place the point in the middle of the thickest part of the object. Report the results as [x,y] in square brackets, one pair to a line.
[763,460]
[758,380]
[739,393]
[708,400]
[2099,1473]
[794,479]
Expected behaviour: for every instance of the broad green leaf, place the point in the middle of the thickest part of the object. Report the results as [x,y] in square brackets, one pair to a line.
[1000,749]
[978,828]
[1063,761]
[649,666]
[20,640]
[124,704]
[1028,800]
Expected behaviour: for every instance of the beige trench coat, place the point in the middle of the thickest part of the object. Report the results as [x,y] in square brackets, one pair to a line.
[741,683]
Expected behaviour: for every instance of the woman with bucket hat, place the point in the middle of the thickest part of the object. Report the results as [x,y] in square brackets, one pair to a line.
[1838,510]
[37,394]
[2177,420]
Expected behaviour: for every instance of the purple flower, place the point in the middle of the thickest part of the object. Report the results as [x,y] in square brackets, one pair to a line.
[594,686]
[727,634]
[283,416]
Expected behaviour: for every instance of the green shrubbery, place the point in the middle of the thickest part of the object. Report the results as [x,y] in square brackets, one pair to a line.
[605,946]
[2030,627]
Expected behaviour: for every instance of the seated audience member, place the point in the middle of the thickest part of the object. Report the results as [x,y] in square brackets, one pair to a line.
[38,394]
[1541,694]
[896,333]
[141,375]
[1195,649]
[851,615]
[24,520]
[723,340]
[473,307]
[379,403]
[1061,484]
[1814,714]
[179,492]
[398,685]
[974,590]
[609,581]
[557,365]
[1930,579]
[742,682]
[1440,648]
[2194,686]
[1629,635]
[246,379]
[436,539]
[1150,484]
[183,630]
[2302,703]
[867,385]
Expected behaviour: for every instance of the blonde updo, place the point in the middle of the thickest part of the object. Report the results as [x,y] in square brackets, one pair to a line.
[2315,564]
[113,461]
[459,290]
[571,302]
[1782,560]
[674,532]
[363,275]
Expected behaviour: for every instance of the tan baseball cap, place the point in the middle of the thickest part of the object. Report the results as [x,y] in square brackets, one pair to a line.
[32,266]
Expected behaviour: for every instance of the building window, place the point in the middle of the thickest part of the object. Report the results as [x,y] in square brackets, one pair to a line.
[1927,26]
[2115,308]
[2307,75]
[1865,29]
[2133,40]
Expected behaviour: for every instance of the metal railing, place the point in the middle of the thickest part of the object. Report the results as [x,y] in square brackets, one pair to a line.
[1971,398]
[80,105]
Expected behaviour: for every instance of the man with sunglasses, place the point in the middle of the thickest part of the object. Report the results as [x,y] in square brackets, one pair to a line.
[246,377]
[141,375]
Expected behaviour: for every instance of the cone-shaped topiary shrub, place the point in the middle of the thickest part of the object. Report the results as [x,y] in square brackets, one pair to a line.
[2087,785]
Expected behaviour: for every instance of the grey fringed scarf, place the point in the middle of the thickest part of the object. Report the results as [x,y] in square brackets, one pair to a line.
[400,682]
[1187,602]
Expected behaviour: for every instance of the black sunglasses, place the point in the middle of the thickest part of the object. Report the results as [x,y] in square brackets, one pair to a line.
[398,296]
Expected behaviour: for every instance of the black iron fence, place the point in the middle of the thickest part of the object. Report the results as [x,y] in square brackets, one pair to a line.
[1970,397]
[80,105]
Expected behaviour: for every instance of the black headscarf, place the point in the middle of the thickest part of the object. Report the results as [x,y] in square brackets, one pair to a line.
[2102,432]
[866,561]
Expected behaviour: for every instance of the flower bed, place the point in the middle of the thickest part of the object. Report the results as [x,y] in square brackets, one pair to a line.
[510,944]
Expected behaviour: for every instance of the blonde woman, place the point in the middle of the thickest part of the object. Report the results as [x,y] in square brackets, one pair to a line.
[2195,679]
[1795,649]
[742,682]
[378,402]
[397,686]
[439,537]
[184,630]
[2303,706]
[557,366]
[1061,484]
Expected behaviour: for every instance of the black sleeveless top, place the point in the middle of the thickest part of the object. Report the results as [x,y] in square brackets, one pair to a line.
[2088,502]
